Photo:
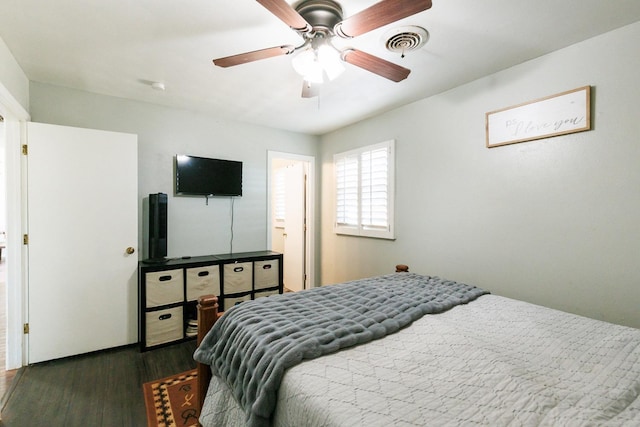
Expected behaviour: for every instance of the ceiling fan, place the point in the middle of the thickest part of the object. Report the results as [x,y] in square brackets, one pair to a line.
[318,22]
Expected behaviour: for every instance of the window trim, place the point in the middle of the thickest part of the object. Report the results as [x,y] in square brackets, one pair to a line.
[358,229]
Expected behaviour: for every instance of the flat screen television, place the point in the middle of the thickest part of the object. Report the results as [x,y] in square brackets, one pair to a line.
[201,176]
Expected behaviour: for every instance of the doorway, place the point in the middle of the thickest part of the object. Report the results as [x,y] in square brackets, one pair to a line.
[291,204]
[6,375]
[14,259]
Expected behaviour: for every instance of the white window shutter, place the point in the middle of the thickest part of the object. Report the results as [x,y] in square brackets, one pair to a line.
[347,191]
[375,188]
[364,191]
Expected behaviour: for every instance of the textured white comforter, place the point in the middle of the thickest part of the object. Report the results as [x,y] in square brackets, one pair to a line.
[494,362]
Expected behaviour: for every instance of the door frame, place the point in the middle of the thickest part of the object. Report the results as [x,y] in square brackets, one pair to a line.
[310,208]
[15,118]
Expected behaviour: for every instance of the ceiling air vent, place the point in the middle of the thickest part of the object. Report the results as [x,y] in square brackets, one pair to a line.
[405,39]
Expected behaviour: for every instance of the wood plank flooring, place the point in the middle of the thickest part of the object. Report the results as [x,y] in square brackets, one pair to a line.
[97,389]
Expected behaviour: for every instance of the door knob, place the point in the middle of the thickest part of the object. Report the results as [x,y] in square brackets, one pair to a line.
[130,250]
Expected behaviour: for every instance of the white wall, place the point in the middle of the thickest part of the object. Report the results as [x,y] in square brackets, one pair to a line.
[194,228]
[12,78]
[554,221]
[3,184]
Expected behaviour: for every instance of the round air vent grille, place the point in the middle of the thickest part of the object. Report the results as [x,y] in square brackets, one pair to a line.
[405,39]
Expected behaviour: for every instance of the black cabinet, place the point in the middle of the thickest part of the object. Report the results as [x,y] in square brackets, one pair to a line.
[168,291]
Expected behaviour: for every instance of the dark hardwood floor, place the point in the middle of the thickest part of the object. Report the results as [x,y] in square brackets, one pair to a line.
[97,389]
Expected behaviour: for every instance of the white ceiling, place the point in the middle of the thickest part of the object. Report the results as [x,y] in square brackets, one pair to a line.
[118,47]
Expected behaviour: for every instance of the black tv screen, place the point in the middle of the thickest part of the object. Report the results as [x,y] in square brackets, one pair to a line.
[208,177]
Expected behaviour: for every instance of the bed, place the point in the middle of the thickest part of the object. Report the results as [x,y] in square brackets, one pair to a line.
[379,352]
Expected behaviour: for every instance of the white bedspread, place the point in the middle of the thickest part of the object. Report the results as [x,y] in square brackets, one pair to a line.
[494,362]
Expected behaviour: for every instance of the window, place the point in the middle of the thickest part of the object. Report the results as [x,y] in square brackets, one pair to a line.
[279,197]
[364,191]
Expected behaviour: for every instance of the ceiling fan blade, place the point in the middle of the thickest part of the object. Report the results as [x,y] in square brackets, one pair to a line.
[310,90]
[287,14]
[378,15]
[243,58]
[376,65]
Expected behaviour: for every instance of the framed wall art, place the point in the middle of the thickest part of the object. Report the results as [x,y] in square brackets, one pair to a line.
[554,115]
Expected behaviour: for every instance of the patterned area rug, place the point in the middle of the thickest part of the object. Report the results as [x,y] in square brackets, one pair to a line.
[172,401]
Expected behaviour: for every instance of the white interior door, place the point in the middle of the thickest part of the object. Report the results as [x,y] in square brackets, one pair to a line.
[82,218]
[294,227]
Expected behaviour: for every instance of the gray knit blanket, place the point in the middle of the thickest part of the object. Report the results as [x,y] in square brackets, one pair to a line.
[253,344]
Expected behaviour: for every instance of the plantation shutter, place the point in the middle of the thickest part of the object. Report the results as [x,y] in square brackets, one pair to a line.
[364,191]
[374,188]
[347,190]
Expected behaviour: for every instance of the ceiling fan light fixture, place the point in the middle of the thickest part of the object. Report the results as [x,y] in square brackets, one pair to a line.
[331,62]
[312,63]
[307,65]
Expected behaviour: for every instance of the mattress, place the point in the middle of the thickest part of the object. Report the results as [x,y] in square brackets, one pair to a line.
[494,361]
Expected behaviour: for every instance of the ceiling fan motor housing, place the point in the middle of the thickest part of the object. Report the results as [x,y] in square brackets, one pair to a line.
[322,15]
